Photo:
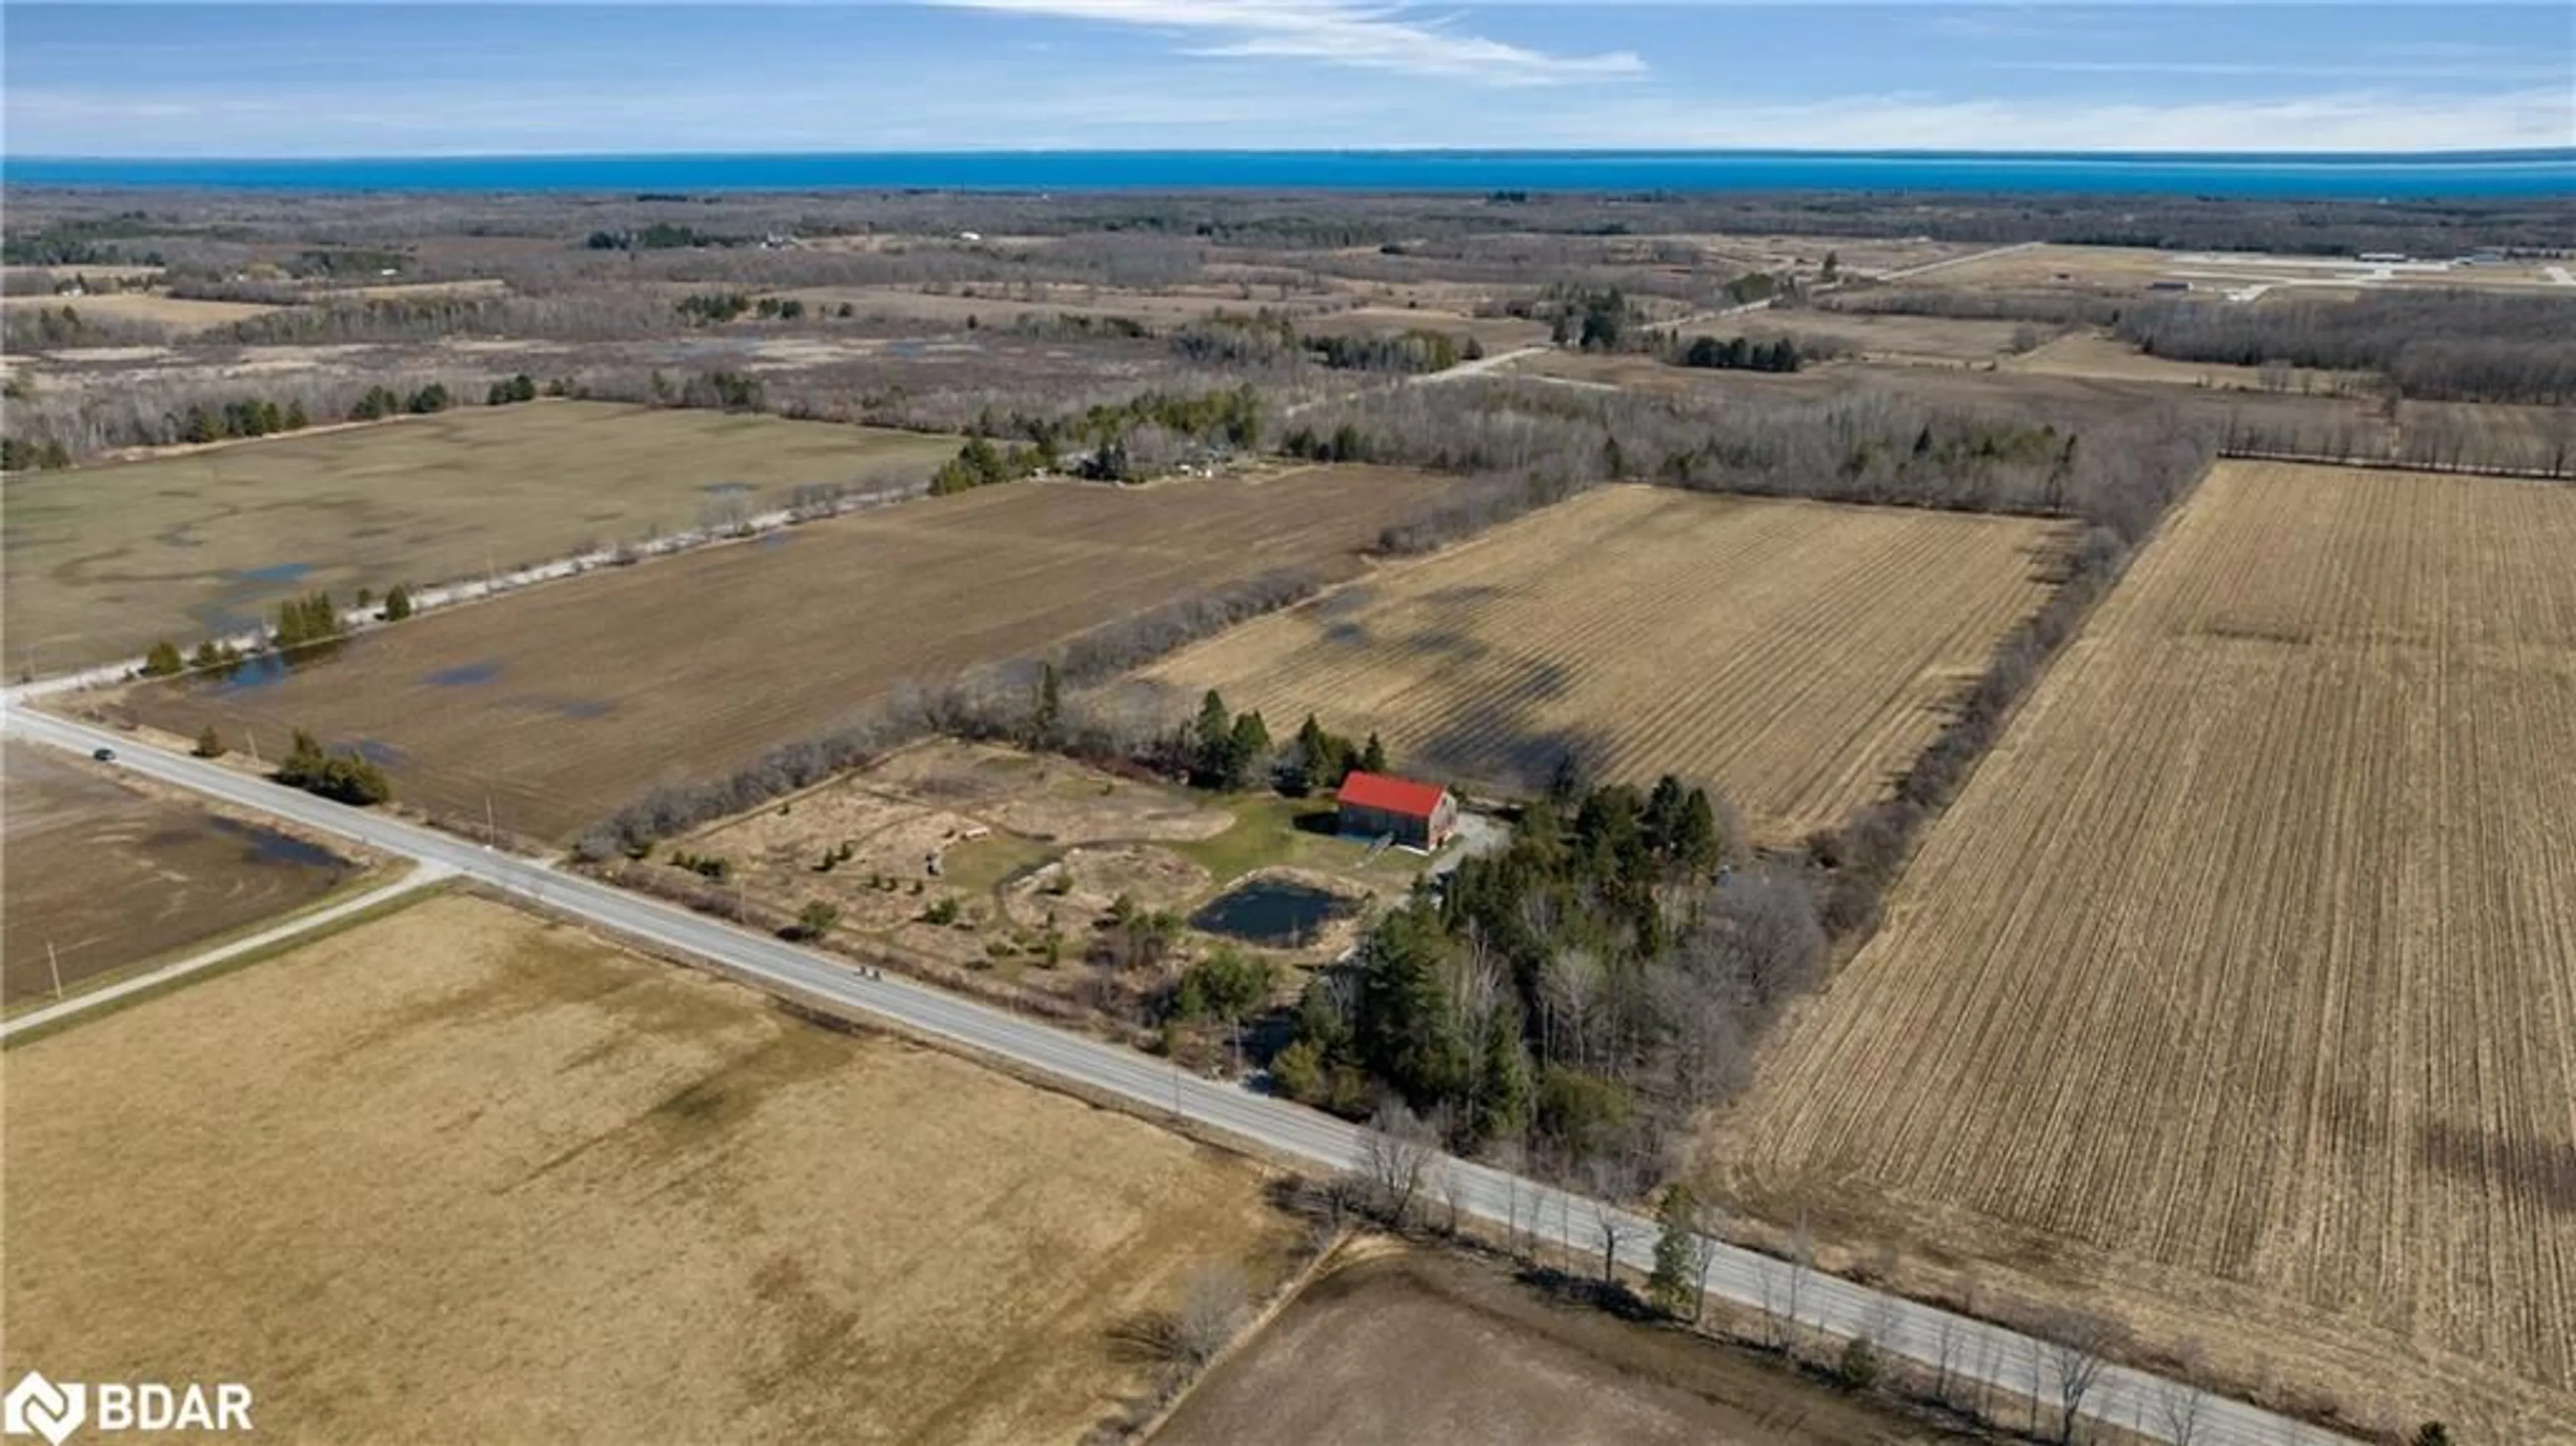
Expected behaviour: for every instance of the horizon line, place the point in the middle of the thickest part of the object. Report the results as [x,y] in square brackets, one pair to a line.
[2454,155]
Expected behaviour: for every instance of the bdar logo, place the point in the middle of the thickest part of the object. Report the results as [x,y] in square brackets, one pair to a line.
[38,1407]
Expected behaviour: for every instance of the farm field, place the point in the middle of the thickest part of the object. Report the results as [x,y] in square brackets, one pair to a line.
[2237,993]
[1400,1346]
[2065,400]
[1794,654]
[2441,434]
[104,560]
[567,702]
[1493,333]
[2091,354]
[109,875]
[177,312]
[524,1185]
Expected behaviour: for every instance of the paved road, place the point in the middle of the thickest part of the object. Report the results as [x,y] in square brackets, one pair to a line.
[2015,1364]
[421,876]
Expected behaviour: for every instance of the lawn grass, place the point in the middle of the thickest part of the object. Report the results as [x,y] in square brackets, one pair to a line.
[1271,831]
[980,865]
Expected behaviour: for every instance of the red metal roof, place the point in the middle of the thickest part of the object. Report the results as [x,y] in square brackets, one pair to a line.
[1391,795]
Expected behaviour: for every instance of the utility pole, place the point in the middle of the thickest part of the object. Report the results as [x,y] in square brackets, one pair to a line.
[491,824]
[56,968]
[253,740]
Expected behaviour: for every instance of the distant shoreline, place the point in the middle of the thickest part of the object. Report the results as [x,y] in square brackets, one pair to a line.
[2249,176]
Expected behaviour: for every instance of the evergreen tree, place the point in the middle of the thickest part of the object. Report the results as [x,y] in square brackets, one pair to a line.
[1408,1033]
[163,660]
[1247,745]
[1214,738]
[1373,756]
[210,744]
[1674,1284]
[1502,1110]
[397,604]
[1046,717]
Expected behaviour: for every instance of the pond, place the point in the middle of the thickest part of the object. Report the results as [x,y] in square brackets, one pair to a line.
[1271,912]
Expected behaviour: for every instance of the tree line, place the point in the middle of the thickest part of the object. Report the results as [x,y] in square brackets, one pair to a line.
[2447,345]
[1738,354]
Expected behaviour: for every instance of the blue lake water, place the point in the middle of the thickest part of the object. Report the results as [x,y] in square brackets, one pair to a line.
[2351,176]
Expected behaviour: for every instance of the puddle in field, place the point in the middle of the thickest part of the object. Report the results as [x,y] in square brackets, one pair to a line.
[465,674]
[271,847]
[278,572]
[379,752]
[1271,912]
[260,670]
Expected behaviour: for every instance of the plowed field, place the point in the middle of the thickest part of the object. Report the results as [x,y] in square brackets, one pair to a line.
[565,702]
[2238,990]
[1796,654]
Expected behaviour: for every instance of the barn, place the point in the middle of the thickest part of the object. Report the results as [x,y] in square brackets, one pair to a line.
[1418,815]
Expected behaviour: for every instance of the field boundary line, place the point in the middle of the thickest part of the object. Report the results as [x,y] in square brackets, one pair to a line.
[2398,464]
[422,876]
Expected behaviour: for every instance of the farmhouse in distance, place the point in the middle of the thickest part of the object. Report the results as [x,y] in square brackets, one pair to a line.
[1417,815]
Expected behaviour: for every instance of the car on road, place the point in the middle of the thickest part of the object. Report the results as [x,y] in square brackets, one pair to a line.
[103,755]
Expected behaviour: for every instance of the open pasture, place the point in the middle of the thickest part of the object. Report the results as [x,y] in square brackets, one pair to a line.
[459,1175]
[104,874]
[2092,354]
[2237,992]
[179,313]
[1793,654]
[102,561]
[566,702]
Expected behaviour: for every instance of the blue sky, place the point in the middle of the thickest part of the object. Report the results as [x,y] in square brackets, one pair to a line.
[409,79]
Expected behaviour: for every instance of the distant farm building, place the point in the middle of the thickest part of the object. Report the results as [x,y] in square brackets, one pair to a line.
[2169,286]
[1416,815]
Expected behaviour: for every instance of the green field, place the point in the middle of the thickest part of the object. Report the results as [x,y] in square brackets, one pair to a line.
[102,561]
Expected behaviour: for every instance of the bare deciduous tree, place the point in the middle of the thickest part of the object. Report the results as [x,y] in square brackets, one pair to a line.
[1213,1301]
[2078,1345]
[1399,1153]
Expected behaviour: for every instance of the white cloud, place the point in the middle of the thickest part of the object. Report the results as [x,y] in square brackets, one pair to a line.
[1336,32]
[2351,121]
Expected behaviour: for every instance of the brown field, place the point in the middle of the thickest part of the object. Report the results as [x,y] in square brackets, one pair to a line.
[2065,400]
[2495,433]
[1001,306]
[414,290]
[457,1175]
[1795,654]
[2127,269]
[1855,255]
[180,313]
[104,560]
[110,875]
[1401,1346]
[2091,354]
[566,702]
[1494,333]
[2238,991]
